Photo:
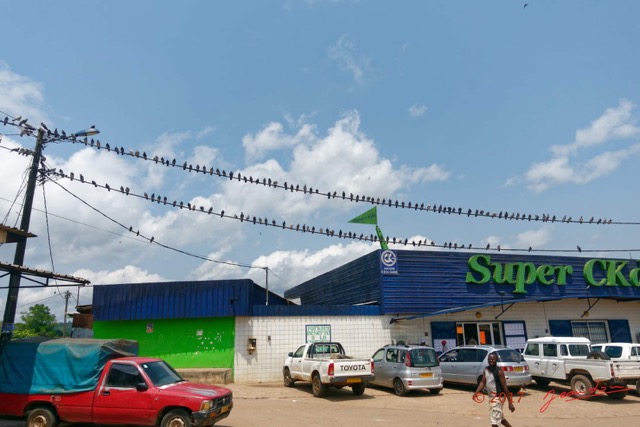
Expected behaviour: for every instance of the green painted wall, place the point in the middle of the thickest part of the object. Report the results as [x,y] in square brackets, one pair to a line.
[184,343]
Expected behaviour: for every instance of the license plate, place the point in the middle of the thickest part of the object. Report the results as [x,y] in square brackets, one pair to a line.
[426,375]
[354,380]
[518,369]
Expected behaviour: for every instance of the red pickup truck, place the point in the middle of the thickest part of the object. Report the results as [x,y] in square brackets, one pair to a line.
[80,387]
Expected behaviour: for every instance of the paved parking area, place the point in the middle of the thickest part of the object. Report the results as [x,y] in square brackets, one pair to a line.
[272,404]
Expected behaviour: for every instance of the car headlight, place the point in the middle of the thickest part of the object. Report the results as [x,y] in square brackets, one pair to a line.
[206,405]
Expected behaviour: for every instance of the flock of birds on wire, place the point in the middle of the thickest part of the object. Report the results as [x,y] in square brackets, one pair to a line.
[56,136]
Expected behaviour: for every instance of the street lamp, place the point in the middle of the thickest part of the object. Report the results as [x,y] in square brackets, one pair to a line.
[8,324]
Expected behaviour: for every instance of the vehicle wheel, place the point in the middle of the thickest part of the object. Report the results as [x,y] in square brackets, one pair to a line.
[288,381]
[358,389]
[514,389]
[614,393]
[598,355]
[541,381]
[319,389]
[581,385]
[398,387]
[41,417]
[435,390]
[638,386]
[176,418]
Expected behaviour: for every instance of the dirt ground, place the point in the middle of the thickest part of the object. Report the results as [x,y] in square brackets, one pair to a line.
[275,405]
[272,404]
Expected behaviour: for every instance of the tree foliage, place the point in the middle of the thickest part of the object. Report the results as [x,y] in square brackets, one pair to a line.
[37,321]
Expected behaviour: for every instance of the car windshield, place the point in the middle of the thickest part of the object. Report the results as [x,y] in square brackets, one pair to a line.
[423,357]
[508,355]
[160,373]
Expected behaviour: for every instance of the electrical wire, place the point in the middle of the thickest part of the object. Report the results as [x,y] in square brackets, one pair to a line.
[60,137]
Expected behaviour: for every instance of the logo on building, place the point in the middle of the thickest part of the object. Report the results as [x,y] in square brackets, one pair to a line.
[388,262]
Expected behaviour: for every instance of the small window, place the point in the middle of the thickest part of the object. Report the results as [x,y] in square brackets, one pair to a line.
[468,355]
[299,352]
[123,376]
[563,350]
[392,356]
[550,350]
[532,350]
[635,351]
[614,351]
[378,356]
[579,349]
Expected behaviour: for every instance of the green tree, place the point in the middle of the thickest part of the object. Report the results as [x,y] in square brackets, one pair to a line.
[38,321]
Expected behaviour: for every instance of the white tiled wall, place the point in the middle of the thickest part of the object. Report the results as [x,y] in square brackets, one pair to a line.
[362,335]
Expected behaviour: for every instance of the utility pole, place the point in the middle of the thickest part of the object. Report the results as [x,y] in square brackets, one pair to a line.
[8,322]
[67,295]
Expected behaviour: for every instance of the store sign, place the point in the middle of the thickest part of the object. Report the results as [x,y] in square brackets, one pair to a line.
[317,333]
[388,262]
[596,272]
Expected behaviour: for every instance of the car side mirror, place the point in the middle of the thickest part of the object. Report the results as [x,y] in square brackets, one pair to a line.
[142,386]
[291,354]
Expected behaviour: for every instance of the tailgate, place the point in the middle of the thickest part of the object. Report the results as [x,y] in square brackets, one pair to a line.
[627,369]
[352,368]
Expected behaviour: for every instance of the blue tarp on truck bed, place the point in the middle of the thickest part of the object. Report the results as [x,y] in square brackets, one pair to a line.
[63,365]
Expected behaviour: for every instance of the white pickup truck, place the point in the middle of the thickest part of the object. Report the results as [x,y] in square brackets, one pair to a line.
[325,364]
[622,353]
[570,360]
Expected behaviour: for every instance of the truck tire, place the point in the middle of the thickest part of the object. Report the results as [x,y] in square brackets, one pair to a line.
[399,388]
[581,385]
[288,381]
[541,381]
[598,355]
[358,389]
[615,394]
[41,417]
[319,389]
[176,418]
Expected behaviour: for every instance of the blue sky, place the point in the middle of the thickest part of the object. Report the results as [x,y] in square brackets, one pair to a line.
[466,104]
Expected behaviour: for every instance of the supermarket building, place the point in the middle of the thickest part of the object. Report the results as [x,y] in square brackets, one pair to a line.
[385,296]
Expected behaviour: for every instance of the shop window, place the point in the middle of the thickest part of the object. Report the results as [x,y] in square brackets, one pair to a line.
[595,331]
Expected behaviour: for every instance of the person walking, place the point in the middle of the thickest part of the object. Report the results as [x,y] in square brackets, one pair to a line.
[494,381]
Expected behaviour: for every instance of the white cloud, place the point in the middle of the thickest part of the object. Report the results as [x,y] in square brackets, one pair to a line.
[273,137]
[417,110]
[535,238]
[20,96]
[343,52]
[568,164]
[615,123]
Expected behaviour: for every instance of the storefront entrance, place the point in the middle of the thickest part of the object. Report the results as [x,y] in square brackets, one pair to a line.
[473,333]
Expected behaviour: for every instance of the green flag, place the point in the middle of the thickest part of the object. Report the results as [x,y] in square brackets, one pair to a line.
[369,217]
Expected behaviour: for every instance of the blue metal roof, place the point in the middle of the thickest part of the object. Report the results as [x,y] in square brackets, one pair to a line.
[436,282]
[174,300]
[357,282]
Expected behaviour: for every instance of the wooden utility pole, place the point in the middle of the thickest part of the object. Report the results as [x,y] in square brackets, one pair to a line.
[8,322]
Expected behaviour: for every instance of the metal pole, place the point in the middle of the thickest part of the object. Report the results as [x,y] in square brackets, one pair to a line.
[67,295]
[14,281]
[266,270]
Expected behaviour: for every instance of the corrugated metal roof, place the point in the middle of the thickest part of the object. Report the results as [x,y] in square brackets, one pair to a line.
[175,300]
[435,281]
[357,282]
